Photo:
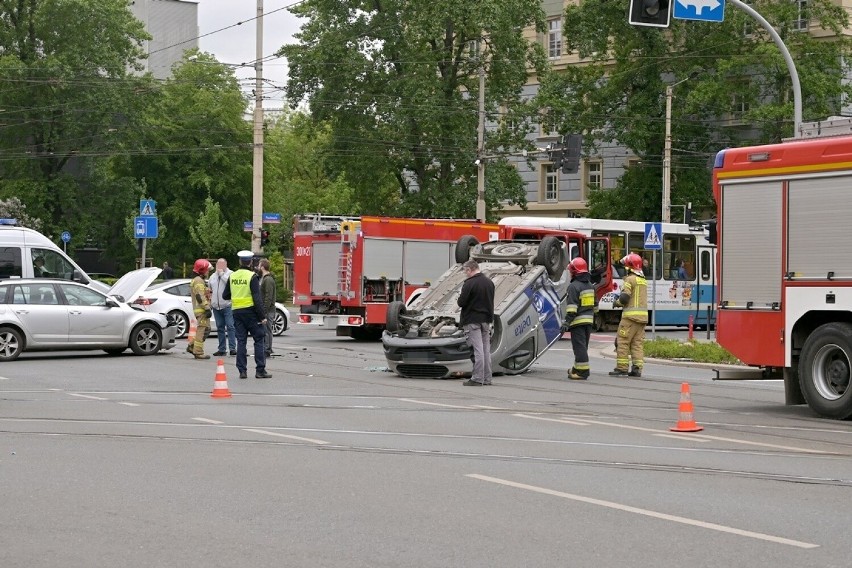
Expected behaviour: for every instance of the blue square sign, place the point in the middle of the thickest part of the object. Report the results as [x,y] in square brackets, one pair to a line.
[702,10]
[653,236]
[146,227]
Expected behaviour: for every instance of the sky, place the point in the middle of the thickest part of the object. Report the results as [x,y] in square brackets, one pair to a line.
[238,44]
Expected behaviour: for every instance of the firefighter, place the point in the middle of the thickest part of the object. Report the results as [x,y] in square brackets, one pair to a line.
[634,316]
[579,316]
[200,307]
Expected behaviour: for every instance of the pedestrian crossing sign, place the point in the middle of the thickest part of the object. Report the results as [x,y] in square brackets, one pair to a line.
[147,208]
[653,236]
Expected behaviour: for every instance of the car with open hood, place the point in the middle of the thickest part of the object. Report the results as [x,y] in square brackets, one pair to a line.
[424,339]
[38,314]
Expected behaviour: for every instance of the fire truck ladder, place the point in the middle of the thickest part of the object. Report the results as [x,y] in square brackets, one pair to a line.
[344,265]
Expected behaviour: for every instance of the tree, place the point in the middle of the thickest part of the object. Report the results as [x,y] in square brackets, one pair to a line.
[397,81]
[210,232]
[67,100]
[738,91]
[14,208]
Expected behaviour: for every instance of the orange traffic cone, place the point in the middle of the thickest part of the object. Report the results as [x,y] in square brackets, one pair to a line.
[686,423]
[190,336]
[220,386]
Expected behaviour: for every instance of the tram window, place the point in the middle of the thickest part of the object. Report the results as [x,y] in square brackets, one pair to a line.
[679,257]
[705,265]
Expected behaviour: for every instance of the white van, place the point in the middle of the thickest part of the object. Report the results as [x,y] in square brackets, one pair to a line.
[25,253]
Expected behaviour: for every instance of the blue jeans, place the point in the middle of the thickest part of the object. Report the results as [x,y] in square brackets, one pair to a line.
[245,322]
[225,323]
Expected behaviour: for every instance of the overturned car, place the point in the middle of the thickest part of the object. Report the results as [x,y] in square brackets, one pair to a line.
[424,338]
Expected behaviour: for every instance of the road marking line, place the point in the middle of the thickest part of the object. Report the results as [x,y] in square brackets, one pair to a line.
[311,440]
[4,378]
[435,403]
[87,396]
[681,437]
[207,420]
[128,403]
[488,407]
[562,420]
[646,512]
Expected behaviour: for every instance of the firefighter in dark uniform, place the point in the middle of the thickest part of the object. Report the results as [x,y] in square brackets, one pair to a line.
[243,289]
[200,307]
[579,316]
[634,317]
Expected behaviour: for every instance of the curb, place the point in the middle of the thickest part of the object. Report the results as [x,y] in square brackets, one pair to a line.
[607,354]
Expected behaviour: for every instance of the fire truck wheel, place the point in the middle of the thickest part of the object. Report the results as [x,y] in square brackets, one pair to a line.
[395,309]
[551,257]
[463,247]
[825,368]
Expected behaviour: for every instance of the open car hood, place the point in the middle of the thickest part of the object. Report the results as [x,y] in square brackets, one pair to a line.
[132,284]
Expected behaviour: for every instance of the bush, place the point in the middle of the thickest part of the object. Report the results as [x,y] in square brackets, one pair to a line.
[700,351]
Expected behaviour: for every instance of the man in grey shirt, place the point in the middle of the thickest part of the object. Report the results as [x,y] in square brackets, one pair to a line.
[267,294]
[222,311]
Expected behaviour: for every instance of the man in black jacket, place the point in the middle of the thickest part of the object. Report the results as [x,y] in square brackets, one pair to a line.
[477,312]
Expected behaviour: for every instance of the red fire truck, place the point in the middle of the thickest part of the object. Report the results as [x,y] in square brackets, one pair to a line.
[785,279]
[348,269]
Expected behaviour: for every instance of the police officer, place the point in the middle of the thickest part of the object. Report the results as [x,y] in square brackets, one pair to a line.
[243,289]
[634,317]
[200,307]
[579,316]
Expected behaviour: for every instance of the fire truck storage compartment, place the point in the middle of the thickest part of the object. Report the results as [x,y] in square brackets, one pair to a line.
[751,241]
[426,261]
[382,270]
[324,263]
[818,235]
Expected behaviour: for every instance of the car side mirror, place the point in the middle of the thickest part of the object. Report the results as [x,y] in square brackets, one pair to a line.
[113,302]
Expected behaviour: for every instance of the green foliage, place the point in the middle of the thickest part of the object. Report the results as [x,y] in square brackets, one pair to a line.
[732,88]
[210,233]
[700,351]
[397,82]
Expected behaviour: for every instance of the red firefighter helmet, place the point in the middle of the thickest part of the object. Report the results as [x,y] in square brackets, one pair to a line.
[633,262]
[578,266]
[201,267]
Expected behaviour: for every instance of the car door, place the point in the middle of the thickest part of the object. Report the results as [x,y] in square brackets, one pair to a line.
[43,316]
[90,320]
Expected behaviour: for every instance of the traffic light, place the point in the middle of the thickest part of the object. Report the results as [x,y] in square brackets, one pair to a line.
[654,13]
[572,148]
[264,237]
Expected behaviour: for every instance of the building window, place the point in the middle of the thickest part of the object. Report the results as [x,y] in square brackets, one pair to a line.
[554,38]
[801,21]
[551,183]
[593,175]
[739,105]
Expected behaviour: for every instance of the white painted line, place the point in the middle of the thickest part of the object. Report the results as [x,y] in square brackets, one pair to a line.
[4,378]
[207,420]
[87,396]
[128,403]
[561,420]
[435,403]
[268,433]
[676,437]
[488,407]
[646,512]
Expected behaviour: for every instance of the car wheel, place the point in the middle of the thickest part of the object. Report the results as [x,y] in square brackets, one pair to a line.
[395,309]
[146,339]
[463,247]
[116,351]
[550,256]
[11,344]
[182,323]
[279,326]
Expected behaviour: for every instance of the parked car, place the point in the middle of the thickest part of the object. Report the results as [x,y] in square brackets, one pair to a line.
[425,339]
[51,315]
[172,297]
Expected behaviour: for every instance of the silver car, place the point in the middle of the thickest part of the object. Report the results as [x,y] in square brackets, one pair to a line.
[425,339]
[172,297]
[53,315]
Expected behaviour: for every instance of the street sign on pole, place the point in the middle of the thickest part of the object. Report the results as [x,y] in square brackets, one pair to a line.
[701,10]
[654,242]
[272,218]
[653,236]
[147,208]
[146,227]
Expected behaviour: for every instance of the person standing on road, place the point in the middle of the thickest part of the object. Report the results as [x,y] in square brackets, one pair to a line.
[579,317]
[222,312]
[243,289]
[477,312]
[168,272]
[267,294]
[200,307]
[634,317]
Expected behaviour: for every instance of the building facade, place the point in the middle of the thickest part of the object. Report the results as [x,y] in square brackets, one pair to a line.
[173,25]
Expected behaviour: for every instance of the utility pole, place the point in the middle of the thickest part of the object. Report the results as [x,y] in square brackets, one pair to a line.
[257,169]
[667,157]
[480,146]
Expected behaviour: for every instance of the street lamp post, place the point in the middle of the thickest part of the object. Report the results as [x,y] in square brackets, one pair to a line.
[667,153]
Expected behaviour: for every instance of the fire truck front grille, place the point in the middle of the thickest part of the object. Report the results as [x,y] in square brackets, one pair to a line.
[420,371]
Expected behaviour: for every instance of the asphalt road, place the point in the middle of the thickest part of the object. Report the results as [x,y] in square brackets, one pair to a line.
[335,462]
